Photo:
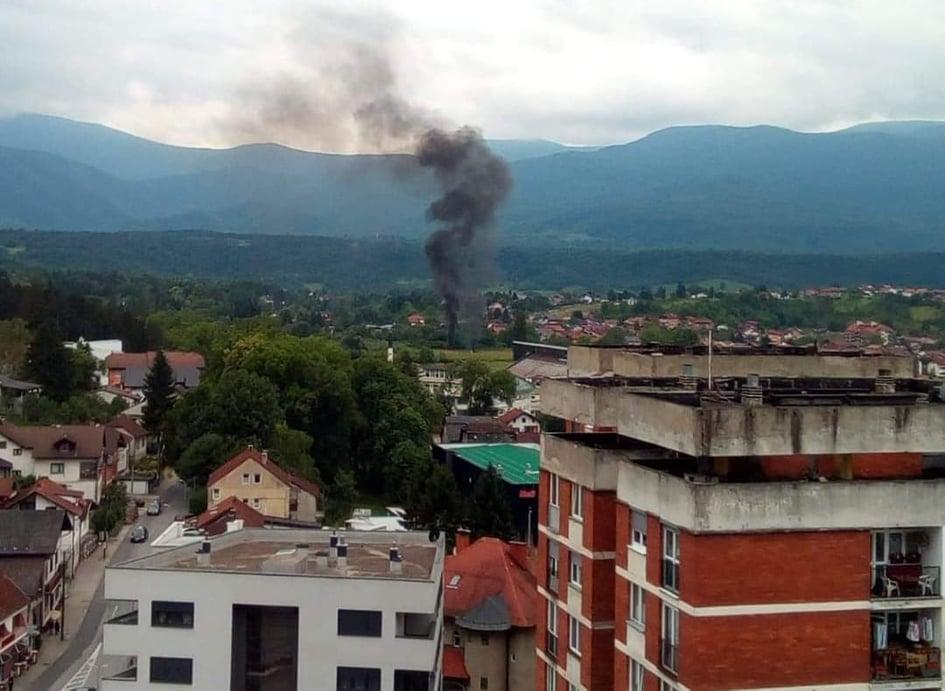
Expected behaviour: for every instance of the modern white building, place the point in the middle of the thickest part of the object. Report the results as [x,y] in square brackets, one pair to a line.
[278,610]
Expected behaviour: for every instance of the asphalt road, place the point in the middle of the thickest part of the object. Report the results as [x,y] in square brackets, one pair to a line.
[85,644]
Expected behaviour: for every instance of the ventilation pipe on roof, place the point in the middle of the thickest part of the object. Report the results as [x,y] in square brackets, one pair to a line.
[203,553]
[342,555]
[396,559]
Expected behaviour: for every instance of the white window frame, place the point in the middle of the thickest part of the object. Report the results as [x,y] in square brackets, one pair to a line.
[670,631]
[577,502]
[53,468]
[216,492]
[637,676]
[638,538]
[17,451]
[574,635]
[576,570]
[671,555]
[666,686]
[554,489]
[637,606]
[552,618]
[245,479]
[551,680]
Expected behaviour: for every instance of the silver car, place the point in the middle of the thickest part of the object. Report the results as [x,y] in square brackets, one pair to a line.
[154,508]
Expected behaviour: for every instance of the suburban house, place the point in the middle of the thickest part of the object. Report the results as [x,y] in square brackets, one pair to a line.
[520,422]
[45,494]
[416,319]
[459,429]
[489,603]
[31,544]
[82,457]
[133,437]
[252,477]
[435,378]
[229,514]
[128,370]
[14,629]
[12,391]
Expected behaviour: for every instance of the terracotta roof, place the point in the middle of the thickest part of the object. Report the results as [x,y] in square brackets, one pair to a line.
[186,366]
[489,568]
[262,457]
[62,441]
[6,487]
[129,425]
[511,414]
[12,599]
[214,519]
[454,664]
[67,499]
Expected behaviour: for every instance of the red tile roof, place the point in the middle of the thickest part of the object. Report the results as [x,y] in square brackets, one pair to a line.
[487,568]
[511,414]
[454,664]
[12,599]
[175,358]
[262,457]
[128,424]
[67,499]
[214,519]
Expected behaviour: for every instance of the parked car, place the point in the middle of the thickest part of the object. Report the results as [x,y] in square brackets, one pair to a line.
[139,534]
[154,508]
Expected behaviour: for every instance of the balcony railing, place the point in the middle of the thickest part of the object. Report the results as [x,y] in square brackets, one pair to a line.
[669,654]
[551,644]
[898,664]
[906,581]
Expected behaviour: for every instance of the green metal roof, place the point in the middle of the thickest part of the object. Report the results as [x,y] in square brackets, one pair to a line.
[517,463]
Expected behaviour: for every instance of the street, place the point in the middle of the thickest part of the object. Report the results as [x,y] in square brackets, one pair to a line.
[80,664]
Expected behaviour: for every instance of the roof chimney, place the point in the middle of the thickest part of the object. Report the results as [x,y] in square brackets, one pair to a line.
[396,560]
[203,553]
[333,545]
[265,456]
[463,540]
[342,555]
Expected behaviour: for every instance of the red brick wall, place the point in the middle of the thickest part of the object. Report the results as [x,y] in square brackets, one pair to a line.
[838,466]
[543,497]
[621,532]
[599,525]
[654,550]
[753,568]
[541,672]
[597,659]
[621,671]
[652,633]
[774,650]
[564,504]
[597,589]
[621,607]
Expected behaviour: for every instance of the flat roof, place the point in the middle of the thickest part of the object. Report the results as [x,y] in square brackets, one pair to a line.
[297,552]
[518,464]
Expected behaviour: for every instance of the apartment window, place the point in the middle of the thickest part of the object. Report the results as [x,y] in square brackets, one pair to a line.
[256,502]
[552,618]
[257,479]
[671,559]
[670,640]
[264,648]
[359,622]
[555,486]
[411,680]
[637,606]
[358,679]
[216,492]
[176,615]
[484,639]
[57,468]
[172,670]
[245,479]
[637,677]
[550,679]
[577,501]
[484,683]
[457,640]
[553,566]
[575,576]
[17,451]
[123,612]
[574,635]
[638,531]
[3,444]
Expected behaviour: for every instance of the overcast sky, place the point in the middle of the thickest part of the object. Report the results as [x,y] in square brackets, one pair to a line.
[580,72]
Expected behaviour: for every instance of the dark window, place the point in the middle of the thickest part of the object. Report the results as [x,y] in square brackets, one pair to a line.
[411,680]
[264,648]
[172,670]
[359,622]
[484,683]
[178,615]
[484,638]
[358,679]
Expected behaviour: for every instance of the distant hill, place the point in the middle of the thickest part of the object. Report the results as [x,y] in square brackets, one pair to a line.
[367,264]
[874,187]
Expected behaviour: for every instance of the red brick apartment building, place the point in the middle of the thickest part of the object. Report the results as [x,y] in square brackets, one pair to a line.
[779,528]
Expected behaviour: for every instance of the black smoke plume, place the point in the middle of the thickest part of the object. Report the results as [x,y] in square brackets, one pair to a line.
[475,182]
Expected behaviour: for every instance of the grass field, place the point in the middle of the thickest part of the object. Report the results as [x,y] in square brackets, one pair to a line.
[496,358]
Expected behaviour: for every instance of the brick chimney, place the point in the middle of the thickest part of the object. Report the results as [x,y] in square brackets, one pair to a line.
[463,540]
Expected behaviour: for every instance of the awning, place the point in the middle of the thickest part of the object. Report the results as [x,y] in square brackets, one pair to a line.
[454,664]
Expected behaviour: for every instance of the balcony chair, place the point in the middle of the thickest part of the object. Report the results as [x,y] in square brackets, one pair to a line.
[890,587]
[927,584]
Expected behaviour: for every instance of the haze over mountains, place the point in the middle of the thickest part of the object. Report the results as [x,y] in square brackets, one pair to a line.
[875,187]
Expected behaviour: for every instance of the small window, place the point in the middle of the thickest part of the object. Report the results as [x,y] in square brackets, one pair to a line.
[575,576]
[177,615]
[637,606]
[172,670]
[577,501]
[216,492]
[17,451]
[637,676]
[257,479]
[484,639]
[671,558]
[57,468]
[358,679]
[245,479]
[554,484]
[670,639]
[256,503]
[359,622]
[638,531]
[457,640]
[552,618]
[3,443]
[484,683]
[574,635]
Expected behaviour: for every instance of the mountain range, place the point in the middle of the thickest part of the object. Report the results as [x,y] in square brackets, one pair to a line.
[871,188]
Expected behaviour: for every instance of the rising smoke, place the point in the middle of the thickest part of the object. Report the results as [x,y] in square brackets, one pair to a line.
[342,96]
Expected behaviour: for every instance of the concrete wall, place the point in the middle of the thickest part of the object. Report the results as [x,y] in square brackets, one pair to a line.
[737,507]
[594,469]
[321,650]
[582,403]
[741,430]
[584,361]
[522,659]
[632,364]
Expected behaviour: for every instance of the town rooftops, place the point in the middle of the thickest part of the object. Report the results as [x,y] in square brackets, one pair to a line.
[128,425]
[303,553]
[518,464]
[186,366]
[263,459]
[214,519]
[18,384]
[12,599]
[62,441]
[30,533]
[59,495]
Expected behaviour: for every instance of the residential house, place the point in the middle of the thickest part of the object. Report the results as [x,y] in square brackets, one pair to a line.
[466,429]
[133,437]
[520,422]
[435,378]
[416,319]
[13,391]
[229,514]
[933,363]
[31,555]
[44,494]
[489,602]
[128,370]
[82,457]
[870,329]
[14,630]
[253,477]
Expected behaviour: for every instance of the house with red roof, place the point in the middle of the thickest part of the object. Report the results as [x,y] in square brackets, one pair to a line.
[519,421]
[134,438]
[416,319]
[256,479]
[489,610]
[14,627]
[127,370]
[229,514]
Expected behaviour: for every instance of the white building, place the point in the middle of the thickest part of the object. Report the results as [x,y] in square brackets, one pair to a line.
[278,610]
